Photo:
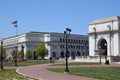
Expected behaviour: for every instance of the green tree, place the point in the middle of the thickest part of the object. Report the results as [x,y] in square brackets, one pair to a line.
[28,54]
[20,54]
[15,55]
[41,51]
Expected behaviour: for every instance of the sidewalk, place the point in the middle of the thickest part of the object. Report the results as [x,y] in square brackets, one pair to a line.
[40,72]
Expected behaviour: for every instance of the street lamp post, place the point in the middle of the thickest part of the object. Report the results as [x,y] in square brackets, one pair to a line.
[15,55]
[100,55]
[22,51]
[1,58]
[66,34]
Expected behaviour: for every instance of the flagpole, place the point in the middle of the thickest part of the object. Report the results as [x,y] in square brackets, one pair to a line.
[16,47]
[16,25]
[17,30]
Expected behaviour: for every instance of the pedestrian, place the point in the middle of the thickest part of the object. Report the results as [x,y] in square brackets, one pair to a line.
[53,59]
[50,59]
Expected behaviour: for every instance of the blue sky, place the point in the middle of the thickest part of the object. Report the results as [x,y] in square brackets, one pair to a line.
[53,15]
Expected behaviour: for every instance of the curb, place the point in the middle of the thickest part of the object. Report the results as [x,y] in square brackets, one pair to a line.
[17,70]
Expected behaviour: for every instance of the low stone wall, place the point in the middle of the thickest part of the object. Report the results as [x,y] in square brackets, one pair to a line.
[88,59]
[115,58]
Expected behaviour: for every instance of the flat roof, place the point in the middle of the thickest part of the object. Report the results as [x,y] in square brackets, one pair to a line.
[35,32]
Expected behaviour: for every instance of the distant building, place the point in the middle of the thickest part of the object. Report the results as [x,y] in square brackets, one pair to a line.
[104,38]
[54,42]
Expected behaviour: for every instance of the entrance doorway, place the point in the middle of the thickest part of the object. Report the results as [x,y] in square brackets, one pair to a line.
[103,45]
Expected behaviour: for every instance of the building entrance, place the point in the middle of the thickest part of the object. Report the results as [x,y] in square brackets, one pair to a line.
[103,45]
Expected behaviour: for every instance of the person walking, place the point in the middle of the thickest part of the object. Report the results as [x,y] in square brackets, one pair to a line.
[50,59]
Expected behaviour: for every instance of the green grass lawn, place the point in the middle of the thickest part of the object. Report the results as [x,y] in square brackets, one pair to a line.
[25,63]
[102,73]
[12,75]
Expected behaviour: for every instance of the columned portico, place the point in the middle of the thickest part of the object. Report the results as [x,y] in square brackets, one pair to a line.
[105,34]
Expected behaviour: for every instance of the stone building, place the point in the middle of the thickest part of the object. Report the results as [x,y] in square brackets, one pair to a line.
[104,38]
[54,42]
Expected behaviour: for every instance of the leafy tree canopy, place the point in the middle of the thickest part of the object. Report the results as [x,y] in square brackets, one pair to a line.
[28,54]
[20,54]
[41,50]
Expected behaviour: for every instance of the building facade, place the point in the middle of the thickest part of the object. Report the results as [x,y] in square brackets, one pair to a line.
[104,38]
[54,42]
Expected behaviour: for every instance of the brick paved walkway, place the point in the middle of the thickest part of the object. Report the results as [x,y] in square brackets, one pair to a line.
[40,72]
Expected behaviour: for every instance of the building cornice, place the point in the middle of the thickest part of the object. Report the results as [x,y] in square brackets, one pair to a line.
[105,20]
[103,32]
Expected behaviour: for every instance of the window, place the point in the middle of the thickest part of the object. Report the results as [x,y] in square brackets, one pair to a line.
[79,41]
[82,47]
[60,39]
[71,40]
[74,40]
[63,40]
[84,41]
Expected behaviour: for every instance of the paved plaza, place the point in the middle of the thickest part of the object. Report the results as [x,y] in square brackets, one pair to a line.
[40,72]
